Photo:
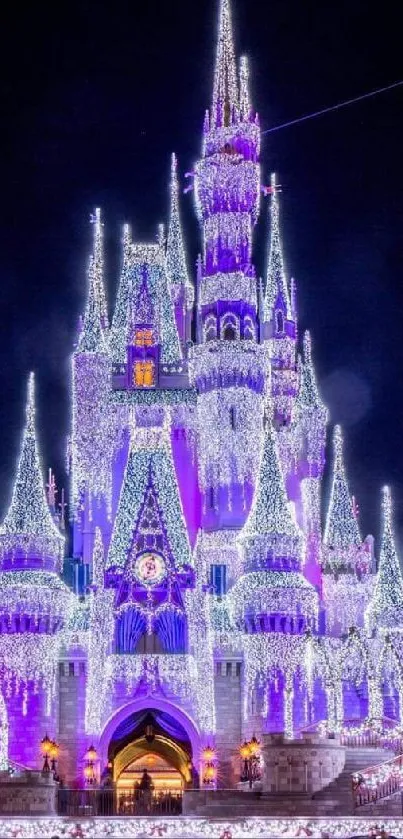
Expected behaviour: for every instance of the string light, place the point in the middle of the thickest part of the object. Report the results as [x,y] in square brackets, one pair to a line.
[385,610]
[175,256]
[150,460]
[28,529]
[225,92]
[277,292]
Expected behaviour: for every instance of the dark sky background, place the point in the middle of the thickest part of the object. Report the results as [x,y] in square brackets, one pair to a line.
[94,97]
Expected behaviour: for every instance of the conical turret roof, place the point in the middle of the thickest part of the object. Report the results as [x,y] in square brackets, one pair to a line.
[28,528]
[385,610]
[176,258]
[92,338]
[342,531]
[277,292]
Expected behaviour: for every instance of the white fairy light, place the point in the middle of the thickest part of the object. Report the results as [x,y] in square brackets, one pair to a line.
[385,610]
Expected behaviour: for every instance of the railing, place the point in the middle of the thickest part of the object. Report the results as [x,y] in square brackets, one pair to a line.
[355,733]
[381,733]
[107,802]
[376,782]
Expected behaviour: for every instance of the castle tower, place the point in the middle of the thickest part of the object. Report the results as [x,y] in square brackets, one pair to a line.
[272,603]
[280,322]
[311,421]
[385,610]
[182,292]
[91,446]
[346,560]
[34,602]
[228,365]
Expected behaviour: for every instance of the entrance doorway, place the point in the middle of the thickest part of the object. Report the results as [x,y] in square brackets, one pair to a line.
[151,759]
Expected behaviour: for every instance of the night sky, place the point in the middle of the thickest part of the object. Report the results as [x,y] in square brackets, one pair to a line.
[95,97]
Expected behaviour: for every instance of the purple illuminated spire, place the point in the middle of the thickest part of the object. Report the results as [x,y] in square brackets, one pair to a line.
[225,91]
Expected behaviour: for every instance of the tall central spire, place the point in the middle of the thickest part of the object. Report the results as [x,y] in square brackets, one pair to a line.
[225,92]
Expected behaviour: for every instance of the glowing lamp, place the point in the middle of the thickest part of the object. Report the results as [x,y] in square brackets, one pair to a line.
[54,750]
[209,773]
[254,746]
[91,755]
[208,754]
[244,751]
[88,772]
[46,745]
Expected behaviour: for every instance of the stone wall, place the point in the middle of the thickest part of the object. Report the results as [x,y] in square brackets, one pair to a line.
[28,793]
[228,700]
[71,723]
[300,766]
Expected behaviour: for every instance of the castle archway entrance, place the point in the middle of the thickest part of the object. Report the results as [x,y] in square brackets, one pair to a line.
[150,757]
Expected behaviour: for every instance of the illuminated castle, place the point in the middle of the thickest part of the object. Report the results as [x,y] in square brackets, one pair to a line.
[215,608]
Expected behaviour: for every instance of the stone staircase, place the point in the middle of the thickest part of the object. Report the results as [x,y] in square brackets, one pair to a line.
[334,800]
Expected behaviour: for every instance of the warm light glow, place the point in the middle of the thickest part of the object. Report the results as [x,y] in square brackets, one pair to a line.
[143,338]
[91,754]
[143,373]
[208,754]
[46,745]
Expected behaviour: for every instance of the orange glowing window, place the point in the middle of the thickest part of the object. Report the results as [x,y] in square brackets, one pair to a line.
[143,338]
[143,373]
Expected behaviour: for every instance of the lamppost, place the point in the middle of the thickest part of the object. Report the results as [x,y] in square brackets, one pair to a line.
[54,755]
[90,757]
[250,754]
[49,749]
[209,768]
[46,746]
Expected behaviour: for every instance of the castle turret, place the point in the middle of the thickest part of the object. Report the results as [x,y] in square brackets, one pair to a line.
[385,610]
[346,560]
[229,369]
[91,448]
[280,327]
[311,420]
[272,603]
[34,602]
[182,292]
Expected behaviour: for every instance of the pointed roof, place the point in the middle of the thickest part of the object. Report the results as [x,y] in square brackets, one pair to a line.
[118,332]
[308,396]
[225,90]
[92,337]
[28,528]
[385,610]
[342,530]
[150,467]
[176,258]
[245,106]
[276,283]
[270,515]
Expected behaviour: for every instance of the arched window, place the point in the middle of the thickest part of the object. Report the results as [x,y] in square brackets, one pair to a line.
[249,333]
[232,417]
[279,322]
[210,328]
[229,327]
